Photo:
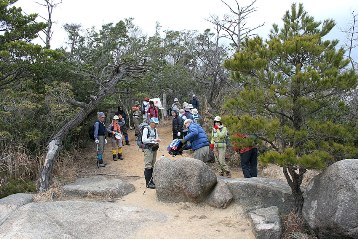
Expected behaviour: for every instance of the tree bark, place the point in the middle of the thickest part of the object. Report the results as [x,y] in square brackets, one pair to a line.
[55,143]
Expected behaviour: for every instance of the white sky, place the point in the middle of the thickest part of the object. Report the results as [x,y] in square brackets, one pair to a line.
[183,14]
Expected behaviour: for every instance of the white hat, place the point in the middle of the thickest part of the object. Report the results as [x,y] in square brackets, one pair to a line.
[154,120]
[190,106]
[115,117]
[194,111]
[185,104]
[217,119]
[176,100]
[187,121]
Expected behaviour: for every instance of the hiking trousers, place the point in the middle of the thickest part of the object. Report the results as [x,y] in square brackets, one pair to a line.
[249,163]
[220,158]
[202,154]
[149,158]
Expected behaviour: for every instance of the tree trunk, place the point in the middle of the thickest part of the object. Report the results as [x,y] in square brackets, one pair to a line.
[164,104]
[55,143]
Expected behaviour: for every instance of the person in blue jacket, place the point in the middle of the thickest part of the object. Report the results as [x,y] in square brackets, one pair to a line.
[198,140]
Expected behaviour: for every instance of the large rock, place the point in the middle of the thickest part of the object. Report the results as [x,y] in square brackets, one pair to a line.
[254,193]
[183,180]
[77,219]
[10,203]
[331,201]
[220,197]
[266,222]
[98,186]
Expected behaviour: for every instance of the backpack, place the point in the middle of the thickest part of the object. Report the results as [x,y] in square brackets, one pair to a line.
[91,132]
[139,141]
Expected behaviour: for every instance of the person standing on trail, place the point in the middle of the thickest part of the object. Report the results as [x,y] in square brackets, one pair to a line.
[150,139]
[100,137]
[196,117]
[219,136]
[153,111]
[176,105]
[123,127]
[195,102]
[116,138]
[198,139]
[177,125]
[248,153]
[145,107]
[136,114]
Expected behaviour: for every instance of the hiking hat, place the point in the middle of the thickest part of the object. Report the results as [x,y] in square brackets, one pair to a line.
[187,121]
[154,120]
[136,102]
[217,119]
[101,114]
[193,95]
[115,117]
[190,106]
[185,104]
[194,111]
[176,100]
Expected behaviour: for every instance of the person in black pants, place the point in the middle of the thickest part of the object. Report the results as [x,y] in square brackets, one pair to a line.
[124,127]
[177,124]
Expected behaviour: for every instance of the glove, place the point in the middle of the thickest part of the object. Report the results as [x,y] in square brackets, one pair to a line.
[105,141]
[211,146]
[96,141]
[178,134]
[183,141]
[216,127]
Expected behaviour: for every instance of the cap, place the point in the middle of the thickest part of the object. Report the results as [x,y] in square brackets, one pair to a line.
[154,120]
[115,117]
[187,121]
[101,114]
[217,119]
[176,100]
[136,102]
[193,95]
[185,104]
[190,106]
[194,111]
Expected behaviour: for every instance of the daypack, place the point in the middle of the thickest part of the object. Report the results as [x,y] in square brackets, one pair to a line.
[175,147]
[91,132]
[139,141]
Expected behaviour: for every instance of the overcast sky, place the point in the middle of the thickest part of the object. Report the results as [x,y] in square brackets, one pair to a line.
[183,14]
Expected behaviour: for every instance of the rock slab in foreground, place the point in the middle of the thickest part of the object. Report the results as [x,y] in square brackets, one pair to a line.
[98,186]
[10,203]
[254,193]
[77,219]
[266,222]
[183,180]
[331,201]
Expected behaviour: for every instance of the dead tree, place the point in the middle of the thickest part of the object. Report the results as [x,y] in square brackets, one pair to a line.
[55,143]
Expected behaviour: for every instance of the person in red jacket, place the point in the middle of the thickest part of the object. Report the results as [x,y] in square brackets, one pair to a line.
[248,156]
[152,111]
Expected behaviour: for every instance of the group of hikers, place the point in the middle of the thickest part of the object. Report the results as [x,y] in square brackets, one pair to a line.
[186,129]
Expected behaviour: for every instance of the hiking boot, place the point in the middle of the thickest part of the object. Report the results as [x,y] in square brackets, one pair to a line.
[120,157]
[228,174]
[115,157]
[151,185]
[100,163]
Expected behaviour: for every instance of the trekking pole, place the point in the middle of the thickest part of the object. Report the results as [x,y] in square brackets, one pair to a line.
[97,148]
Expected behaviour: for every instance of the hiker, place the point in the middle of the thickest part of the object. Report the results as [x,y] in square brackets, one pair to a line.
[123,127]
[248,155]
[198,139]
[196,117]
[177,125]
[187,110]
[183,118]
[176,105]
[152,111]
[145,107]
[136,114]
[116,138]
[195,102]
[150,139]
[219,136]
[100,137]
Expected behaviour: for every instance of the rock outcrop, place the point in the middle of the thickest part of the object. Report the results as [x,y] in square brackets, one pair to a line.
[331,201]
[266,223]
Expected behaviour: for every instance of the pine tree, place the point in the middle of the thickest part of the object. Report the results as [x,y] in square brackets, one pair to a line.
[293,97]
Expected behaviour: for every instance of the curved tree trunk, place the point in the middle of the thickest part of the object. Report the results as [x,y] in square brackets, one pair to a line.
[55,143]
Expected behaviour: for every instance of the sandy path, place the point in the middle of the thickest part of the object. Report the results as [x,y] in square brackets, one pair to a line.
[185,220]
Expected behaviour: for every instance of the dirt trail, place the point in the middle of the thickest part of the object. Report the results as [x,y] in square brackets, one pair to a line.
[185,220]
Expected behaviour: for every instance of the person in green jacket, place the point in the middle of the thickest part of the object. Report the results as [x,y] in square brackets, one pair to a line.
[219,135]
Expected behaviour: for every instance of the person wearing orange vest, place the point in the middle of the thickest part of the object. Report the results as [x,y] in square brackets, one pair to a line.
[116,138]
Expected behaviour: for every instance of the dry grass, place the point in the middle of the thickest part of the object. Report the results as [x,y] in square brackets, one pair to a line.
[294,228]
[53,193]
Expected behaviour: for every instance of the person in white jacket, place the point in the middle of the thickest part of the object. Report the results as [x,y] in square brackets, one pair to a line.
[150,139]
